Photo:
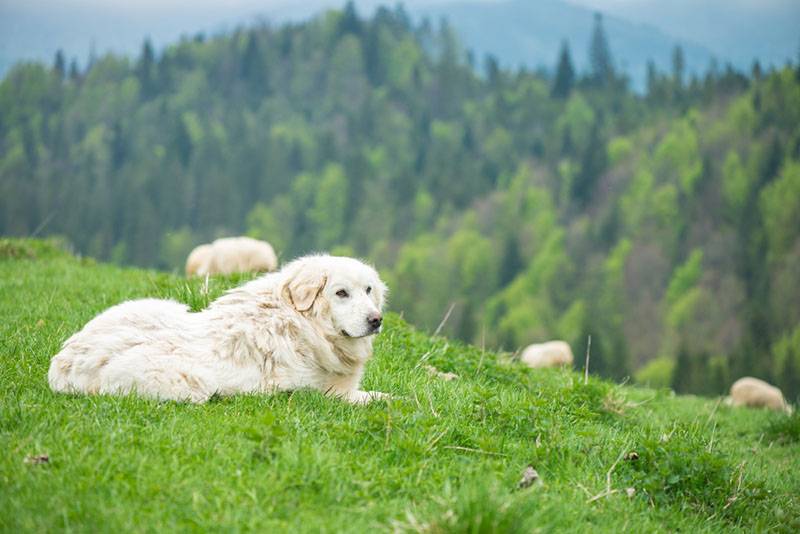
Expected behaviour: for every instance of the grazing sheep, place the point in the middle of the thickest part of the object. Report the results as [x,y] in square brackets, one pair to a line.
[232,255]
[198,260]
[549,354]
[749,391]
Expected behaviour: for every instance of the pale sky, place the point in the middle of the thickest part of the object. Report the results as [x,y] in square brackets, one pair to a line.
[597,4]
[628,7]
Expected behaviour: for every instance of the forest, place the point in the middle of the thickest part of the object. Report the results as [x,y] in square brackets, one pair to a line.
[524,205]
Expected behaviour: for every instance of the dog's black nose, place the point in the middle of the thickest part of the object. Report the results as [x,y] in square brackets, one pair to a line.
[374,321]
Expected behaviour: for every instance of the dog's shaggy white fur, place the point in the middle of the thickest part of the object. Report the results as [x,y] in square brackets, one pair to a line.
[309,325]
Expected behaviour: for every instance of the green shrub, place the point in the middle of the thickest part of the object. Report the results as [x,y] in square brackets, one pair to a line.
[682,467]
[656,373]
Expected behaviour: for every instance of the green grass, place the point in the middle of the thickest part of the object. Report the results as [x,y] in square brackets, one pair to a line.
[444,457]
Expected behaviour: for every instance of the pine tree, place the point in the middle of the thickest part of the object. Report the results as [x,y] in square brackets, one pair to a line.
[756,71]
[468,139]
[797,67]
[678,67]
[567,144]
[565,74]
[59,65]
[402,18]
[183,143]
[119,148]
[74,72]
[712,76]
[146,70]
[375,67]
[286,41]
[471,59]
[683,372]
[253,70]
[492,70]
[250,60]
[92,59]
[512,263]
[652,79]
[593,164]
[447,69]
[350,23]
[601,64]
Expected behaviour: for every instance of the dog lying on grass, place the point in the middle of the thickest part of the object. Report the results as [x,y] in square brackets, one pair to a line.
[309,325]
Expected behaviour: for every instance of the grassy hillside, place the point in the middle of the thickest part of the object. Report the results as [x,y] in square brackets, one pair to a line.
[444,456]
[534,207]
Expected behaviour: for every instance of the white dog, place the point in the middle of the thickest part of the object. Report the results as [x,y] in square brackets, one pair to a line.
[308,325]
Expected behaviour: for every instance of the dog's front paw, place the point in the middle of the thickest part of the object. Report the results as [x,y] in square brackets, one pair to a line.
[364,397]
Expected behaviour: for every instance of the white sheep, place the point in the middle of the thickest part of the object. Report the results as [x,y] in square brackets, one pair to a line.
[198,260]
[749,391]
[232,255]
[549,354]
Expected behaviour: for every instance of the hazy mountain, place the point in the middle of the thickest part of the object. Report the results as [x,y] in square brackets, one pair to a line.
[516,31]
[739,30]
[523,32]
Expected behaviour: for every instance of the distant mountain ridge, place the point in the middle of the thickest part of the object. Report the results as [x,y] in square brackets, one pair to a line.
[735,30]
[517,32]
[520,32]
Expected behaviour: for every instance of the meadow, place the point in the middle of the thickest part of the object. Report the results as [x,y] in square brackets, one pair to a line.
[443,456]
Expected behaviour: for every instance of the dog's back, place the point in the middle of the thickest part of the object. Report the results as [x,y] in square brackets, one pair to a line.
[92,360]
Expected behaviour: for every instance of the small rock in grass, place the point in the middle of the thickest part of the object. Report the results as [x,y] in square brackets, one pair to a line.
[632,456]
[529,478]
[440,374]
[630,492]
[37,459]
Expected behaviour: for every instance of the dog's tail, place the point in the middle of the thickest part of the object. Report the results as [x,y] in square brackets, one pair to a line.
[61,372]
[71,373]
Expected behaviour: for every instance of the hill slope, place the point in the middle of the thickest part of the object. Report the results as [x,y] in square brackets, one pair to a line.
[664,226]
[444,456]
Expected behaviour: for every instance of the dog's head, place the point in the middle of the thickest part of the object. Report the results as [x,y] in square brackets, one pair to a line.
[344,293]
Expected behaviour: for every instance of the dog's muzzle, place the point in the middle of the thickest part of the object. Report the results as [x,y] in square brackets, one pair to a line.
[374,322]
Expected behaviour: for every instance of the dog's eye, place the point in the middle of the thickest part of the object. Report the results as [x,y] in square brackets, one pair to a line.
[369,290]
[342,293]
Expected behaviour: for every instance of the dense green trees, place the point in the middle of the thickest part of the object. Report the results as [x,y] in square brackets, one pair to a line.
[664,225]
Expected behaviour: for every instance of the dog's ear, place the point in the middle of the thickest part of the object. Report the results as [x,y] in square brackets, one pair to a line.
[303,288]
[382,294]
